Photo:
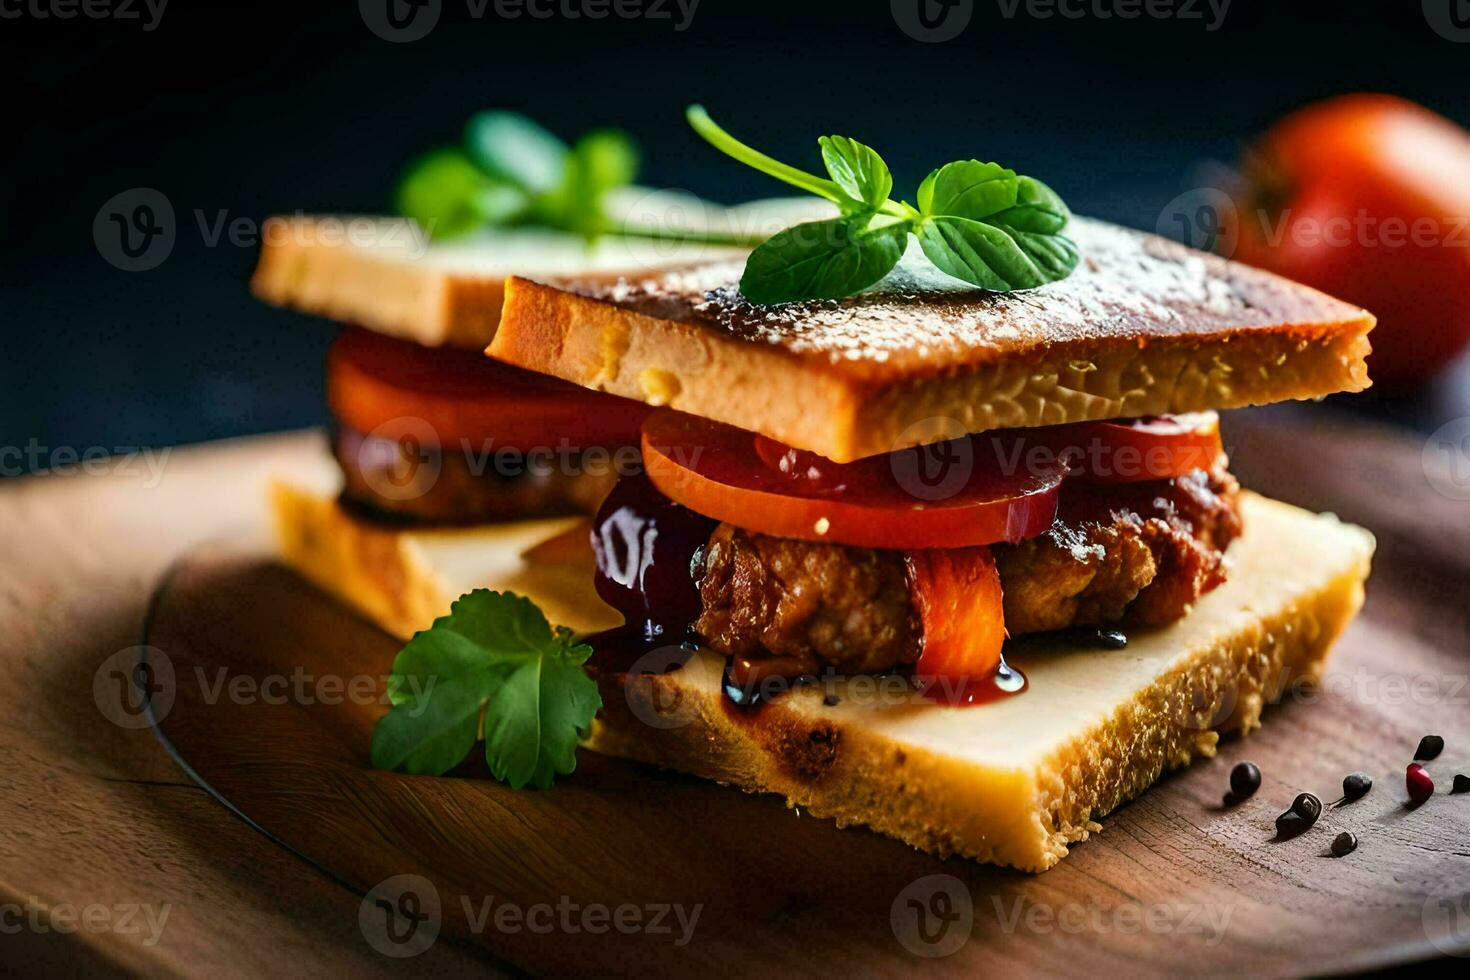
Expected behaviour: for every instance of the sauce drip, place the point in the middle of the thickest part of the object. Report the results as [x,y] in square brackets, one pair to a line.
[648,549]
[1007,681]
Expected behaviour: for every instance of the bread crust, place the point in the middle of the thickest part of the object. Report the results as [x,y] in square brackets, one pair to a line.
[385,274]
[1144,326]
[1016,782]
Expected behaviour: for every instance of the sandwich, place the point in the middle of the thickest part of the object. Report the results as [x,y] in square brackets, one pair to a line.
[432,444]
[935,537]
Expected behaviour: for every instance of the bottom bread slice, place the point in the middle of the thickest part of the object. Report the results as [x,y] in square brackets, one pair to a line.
[1013,782]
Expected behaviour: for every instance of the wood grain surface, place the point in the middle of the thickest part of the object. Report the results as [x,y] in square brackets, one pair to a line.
[94,813]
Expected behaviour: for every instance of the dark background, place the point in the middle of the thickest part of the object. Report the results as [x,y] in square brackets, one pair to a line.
[249,110]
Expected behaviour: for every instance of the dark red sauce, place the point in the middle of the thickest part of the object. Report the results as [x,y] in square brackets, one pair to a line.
[648,549]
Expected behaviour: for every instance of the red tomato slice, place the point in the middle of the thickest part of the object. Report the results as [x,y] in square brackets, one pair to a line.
[1158,447]
[957,595]
[942,496]
[464,396]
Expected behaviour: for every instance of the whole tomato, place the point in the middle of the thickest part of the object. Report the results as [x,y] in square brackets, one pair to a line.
[1367,197]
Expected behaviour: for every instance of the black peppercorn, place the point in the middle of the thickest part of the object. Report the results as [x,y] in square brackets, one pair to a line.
[1245,779]
[1305,810]
[1430,746]
[1461,784]
[1355,787]
[1344,844]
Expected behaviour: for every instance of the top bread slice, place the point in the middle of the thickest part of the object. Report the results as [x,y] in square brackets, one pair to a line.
[1143,326]
[385,273]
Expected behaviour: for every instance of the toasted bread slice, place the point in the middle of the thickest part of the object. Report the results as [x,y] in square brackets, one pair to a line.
[403,579]
[1144,326]
[1014,782]
[384,273]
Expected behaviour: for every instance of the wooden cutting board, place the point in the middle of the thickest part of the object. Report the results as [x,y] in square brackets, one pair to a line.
[573,879]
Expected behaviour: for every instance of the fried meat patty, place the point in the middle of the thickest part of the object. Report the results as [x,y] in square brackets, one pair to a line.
[1134,553]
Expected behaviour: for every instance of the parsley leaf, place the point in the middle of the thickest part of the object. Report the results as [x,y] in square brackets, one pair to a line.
[979,222]
[495,659]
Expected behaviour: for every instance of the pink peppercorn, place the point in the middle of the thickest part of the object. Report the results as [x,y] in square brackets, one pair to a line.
[1420,786]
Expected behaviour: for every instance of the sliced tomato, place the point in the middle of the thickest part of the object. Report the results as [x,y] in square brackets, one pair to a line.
[464,396]
[1159,447]
[957,594]
[942,496]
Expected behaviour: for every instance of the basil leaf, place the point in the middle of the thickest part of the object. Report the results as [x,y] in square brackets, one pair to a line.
[968,189]
[1055,255]
[442,191]
[1038,209]
[511,147]
[823,259]
[992,257]
[858,170]
[979,222]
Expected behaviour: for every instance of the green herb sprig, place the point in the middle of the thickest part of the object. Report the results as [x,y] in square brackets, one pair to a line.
[512,172]
[979,222]
[495,666]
